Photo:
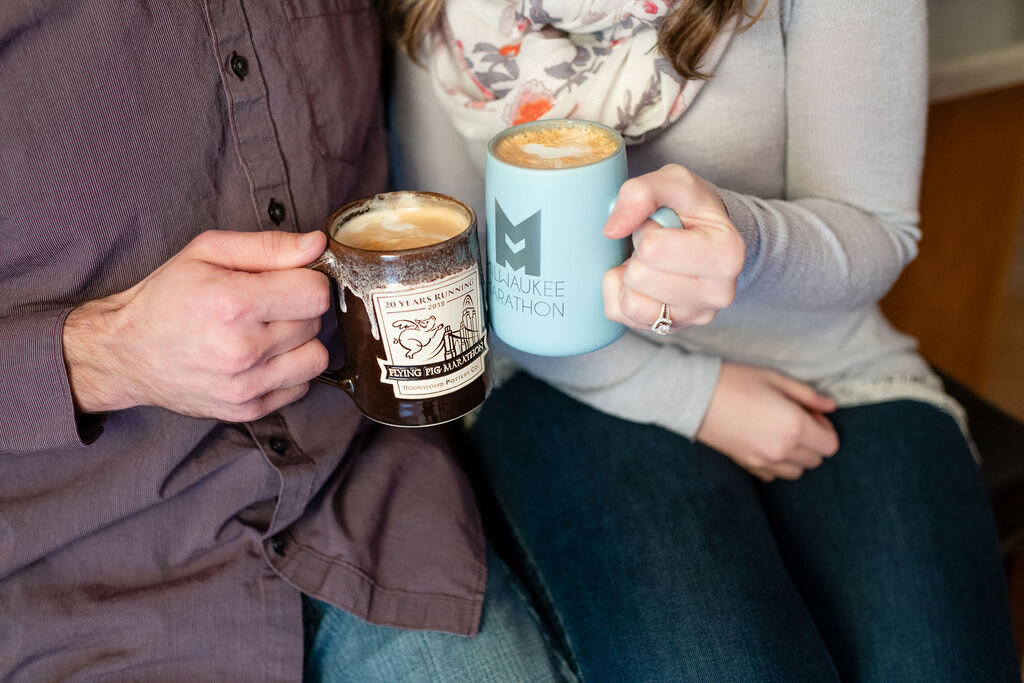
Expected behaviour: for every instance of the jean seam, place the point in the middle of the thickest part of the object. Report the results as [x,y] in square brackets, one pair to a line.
[564,668]
[574,673]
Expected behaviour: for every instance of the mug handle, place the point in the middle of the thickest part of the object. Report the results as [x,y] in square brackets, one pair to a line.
[342,378]
[666,218]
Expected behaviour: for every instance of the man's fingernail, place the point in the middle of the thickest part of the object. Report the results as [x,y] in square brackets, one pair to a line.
[308,240]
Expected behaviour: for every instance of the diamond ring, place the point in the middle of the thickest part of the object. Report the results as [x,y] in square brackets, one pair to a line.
[663,325]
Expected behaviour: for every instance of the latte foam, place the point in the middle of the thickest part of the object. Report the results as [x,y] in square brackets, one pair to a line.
[561,145]
[401,227]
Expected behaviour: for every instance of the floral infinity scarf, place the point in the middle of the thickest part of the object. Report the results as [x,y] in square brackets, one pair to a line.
[498,63]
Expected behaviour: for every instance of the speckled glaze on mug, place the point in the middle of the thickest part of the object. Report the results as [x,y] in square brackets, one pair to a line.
[413,320]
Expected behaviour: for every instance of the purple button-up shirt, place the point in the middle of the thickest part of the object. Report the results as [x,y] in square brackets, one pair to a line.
[172,548]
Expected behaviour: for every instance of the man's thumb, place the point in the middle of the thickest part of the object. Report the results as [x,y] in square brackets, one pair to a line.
[256,252]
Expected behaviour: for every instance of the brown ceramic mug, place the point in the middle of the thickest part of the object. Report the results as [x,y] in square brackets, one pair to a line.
[412,318]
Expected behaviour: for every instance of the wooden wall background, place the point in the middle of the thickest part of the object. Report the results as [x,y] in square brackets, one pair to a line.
[952,297]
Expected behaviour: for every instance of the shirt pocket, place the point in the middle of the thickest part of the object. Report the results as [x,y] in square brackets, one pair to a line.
[338,47]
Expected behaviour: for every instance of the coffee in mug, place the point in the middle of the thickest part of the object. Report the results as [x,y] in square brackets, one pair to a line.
[412,316]
[562,144]
[401,227]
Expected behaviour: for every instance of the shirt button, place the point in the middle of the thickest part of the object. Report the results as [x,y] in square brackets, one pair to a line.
[279,445]
[277,544]
[239,65]
[276,211]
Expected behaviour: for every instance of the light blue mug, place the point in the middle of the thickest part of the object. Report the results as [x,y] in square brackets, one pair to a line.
[546,254]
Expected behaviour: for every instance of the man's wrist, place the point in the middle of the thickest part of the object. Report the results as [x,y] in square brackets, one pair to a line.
[92,359]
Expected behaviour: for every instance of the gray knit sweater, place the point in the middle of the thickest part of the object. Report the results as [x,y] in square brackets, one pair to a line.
[812,129]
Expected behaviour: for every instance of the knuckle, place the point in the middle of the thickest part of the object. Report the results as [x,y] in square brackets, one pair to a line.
[677,172]
[635,190]
[225,395]
[320,295]
[758,469]
[221,363]
[228,306]
[790,474]
[224,363]
[238,392]
[248,412]
[631,306]
[246,354]
[292,395]
[634,273]
[612,312]
[703,317]
[609,296]
[226,414]
[723,263]
[734,264]
[722,297]
[237,356]
[320,359]
[729,259]
[202,241]
[609,282]
[651,247]
[790,429]
[752,462]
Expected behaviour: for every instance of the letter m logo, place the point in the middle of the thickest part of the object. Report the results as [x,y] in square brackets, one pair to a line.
[517,246]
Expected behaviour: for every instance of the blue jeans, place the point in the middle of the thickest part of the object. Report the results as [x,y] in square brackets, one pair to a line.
[511,646]
[661,560]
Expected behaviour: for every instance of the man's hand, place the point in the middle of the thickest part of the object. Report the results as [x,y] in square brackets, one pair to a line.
[770,425]
[693,270]
[225,329]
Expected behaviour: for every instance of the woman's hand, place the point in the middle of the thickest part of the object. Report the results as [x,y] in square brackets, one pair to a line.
[693,270]
[770,425]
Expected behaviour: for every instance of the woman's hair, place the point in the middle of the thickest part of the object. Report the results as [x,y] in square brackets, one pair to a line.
[686,33]
[683,37]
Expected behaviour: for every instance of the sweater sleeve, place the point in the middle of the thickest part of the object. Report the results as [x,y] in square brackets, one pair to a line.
[856,97]
[634,379]
[36,409]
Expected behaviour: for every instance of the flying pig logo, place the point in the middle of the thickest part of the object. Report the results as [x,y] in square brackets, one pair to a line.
[517,246]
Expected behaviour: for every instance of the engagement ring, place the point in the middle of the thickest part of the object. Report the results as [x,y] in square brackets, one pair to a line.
[663,325]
